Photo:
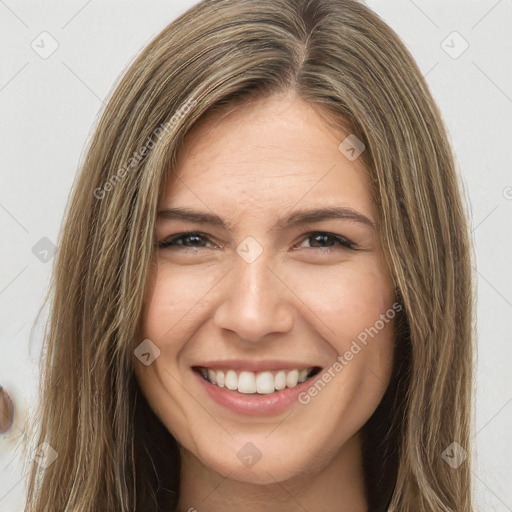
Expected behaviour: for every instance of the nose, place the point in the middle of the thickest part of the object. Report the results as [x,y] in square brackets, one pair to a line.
[255,302]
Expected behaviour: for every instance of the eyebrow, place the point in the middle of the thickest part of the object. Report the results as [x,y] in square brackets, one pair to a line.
[294,219]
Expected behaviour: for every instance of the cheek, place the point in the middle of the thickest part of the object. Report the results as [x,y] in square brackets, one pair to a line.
[347,300]
[174,297]
[164,316]
[166,320]
[353,310]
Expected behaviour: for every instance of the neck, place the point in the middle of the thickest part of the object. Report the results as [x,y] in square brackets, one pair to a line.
[338,486]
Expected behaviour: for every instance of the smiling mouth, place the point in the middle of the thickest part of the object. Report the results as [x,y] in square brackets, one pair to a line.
[257,383]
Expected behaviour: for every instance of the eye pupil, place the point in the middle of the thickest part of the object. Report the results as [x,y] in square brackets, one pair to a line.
[194,238]
[321,238]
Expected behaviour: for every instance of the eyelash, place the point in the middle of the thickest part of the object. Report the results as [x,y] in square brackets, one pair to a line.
[342,241]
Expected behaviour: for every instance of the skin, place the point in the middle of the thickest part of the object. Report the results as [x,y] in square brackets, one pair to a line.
[252,167]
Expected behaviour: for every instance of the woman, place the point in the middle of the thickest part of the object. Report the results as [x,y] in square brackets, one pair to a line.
[262,298]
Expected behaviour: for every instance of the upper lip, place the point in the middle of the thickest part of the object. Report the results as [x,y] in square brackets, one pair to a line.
[255,366]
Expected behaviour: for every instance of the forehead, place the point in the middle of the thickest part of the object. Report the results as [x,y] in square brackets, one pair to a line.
[272,151]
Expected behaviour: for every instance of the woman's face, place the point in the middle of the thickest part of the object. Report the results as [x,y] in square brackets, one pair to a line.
[280,279]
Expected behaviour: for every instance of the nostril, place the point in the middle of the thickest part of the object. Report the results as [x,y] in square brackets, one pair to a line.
[6,411]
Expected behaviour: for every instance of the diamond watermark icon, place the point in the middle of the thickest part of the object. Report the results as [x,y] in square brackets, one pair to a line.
[249,455]
[44,250]
[454,45]
[44,455]
[146,352]
[249,249]
[351,147]
[455,455]
[44,45]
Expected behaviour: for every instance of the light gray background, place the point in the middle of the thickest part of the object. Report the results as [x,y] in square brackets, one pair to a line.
[48,107]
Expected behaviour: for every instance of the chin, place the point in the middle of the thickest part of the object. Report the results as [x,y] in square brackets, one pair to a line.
[251,462]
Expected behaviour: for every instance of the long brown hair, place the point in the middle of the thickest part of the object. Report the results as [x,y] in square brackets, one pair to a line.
[341,58]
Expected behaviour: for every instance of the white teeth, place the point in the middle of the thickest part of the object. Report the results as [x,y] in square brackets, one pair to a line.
[280,380]
[231,380]
[264,383]
[292,378]
[246,382]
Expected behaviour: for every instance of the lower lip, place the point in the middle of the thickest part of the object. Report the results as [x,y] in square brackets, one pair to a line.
[255,405]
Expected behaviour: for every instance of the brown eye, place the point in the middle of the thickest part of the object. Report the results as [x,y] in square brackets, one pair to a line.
[190,239]
[323,240]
